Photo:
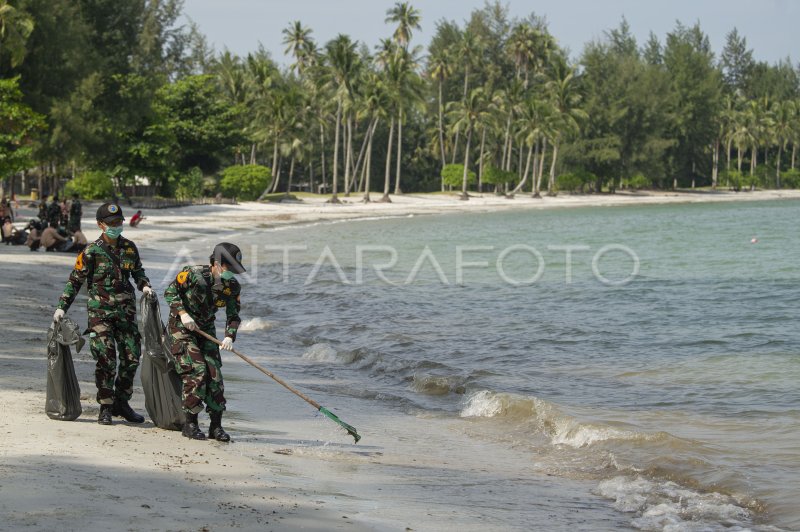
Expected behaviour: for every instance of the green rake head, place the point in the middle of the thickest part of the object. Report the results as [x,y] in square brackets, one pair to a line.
[351,430]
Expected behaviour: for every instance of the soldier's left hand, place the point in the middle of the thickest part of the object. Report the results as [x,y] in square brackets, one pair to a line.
[147,291]
[227,343]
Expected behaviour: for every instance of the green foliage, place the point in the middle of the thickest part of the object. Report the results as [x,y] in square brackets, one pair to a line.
[91,185]
[574,181]
[638,182]
[17,125]
[453,175]
[495,176]
[190,185]
[245,182]
[791,178]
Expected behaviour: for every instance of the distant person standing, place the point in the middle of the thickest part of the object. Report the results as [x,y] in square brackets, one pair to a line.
[54,212]
[75,213]
[43,209]
[107,265]
[194,298]
[136,218]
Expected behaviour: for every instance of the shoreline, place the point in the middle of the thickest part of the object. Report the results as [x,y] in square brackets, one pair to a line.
[80,475]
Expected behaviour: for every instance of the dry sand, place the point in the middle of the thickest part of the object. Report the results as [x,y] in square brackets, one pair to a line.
[83,476]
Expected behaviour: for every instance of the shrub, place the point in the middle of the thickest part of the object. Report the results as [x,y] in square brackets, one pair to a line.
[91,185]
[791,178]
[639,181]
[495,176]
[191,185]
[245,182]
[453,175]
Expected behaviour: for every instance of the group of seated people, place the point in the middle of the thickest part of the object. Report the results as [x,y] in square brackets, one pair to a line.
[50,236]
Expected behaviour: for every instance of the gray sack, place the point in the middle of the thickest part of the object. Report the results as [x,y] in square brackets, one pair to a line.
[160,382]
[63,392]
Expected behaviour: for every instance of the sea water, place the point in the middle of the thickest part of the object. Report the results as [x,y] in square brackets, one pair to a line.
[604,367]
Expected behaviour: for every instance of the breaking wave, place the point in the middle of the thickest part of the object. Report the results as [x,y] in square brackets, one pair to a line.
[255,324]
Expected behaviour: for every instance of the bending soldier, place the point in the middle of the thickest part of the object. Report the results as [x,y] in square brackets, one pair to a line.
[107,264]
[194,298]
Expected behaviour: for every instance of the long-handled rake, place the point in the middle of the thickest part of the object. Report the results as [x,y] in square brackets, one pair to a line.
[351,430]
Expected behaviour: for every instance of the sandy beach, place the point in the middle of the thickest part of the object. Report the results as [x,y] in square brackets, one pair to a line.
[307,475]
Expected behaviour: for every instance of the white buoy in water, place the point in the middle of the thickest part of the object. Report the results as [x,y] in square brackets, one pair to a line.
[754,240]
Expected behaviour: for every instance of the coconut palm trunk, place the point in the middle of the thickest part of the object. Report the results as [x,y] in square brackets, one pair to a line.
[348,156]
[397,189]
[334,196]
[778,167]
[536,191]
[524,175]
[551,183]
[480,161]
[368,164]
[441,128]
[464,195]
[387,177]
[322,156]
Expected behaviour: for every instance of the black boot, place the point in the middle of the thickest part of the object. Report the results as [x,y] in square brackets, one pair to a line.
[190,428]
[105,415]
[215,431]
[122,408]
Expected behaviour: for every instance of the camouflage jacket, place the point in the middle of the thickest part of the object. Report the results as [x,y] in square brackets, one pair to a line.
[196,291]
[108,279]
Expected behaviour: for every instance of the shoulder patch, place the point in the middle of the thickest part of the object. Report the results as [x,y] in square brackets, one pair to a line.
[79,261]
[181,278]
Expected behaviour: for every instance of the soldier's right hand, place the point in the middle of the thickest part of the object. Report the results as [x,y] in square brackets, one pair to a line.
[57,315]
[188,321]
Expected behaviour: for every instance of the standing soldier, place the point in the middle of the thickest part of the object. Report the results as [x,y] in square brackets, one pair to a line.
[75,213]
[107,265]
[54,212]
[43,210]
[194,297]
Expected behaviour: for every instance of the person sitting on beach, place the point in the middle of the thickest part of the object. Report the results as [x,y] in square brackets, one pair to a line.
[194,298]
[136,218]
[34,240]
[8,231]
[52,239]
[107,265]
[79,239]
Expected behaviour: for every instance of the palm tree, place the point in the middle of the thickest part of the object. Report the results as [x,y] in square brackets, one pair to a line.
[468,50]
[530,123]
[15,28]
[439,69]
[343,64]
[407,19]
[299,44]
[783,118]
[465,114]
[567,115]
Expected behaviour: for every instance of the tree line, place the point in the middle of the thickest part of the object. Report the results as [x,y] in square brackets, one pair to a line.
[98,92]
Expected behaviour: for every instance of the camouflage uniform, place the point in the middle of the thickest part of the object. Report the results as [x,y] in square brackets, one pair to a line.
[197,292]
[112,312]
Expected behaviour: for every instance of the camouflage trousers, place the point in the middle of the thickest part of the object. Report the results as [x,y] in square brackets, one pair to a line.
[199,365]
[105,330]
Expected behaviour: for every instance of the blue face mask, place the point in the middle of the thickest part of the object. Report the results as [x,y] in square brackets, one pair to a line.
[113,232]
[227,275]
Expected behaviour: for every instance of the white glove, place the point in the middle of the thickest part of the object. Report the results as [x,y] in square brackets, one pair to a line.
[58,314]
[147,291]
[188,321]
[227,343]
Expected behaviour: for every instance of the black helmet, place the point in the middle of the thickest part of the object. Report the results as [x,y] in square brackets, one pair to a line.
[109,212]
[228,254]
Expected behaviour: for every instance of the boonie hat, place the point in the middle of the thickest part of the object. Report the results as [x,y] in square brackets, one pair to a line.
[229,254]
[109,212]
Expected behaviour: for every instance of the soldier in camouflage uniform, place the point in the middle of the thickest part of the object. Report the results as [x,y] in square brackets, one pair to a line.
[107,265]
[194,298]
[75,213]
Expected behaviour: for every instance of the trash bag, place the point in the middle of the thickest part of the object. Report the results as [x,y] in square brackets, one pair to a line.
[161,383]
[63,392]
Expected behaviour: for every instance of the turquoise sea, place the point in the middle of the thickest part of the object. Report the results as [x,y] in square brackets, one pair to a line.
[645,359]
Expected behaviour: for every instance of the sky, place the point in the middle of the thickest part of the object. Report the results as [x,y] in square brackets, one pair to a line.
[770,26]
